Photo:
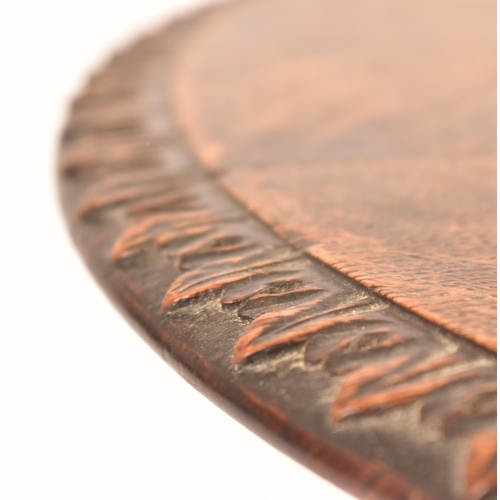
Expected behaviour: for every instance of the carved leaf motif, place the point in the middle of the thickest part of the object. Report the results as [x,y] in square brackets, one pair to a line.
[383,360]
[480,471]
[350,402]
[377,358]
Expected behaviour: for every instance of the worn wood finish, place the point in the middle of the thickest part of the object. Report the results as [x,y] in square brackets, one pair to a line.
[387,401]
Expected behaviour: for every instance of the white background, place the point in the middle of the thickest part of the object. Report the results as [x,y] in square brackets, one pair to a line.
[89,411]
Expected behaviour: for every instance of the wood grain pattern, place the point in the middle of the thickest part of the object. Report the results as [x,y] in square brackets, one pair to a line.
[369,394]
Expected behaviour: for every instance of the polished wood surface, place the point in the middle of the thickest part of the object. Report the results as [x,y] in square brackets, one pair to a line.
[297,217]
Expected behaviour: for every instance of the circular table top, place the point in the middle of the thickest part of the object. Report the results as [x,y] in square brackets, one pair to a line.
[294,202]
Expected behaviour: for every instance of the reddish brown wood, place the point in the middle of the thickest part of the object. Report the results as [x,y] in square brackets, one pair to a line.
[260,243]
[366,123]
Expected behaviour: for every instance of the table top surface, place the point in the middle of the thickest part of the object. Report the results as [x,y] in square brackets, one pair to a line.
[294,202]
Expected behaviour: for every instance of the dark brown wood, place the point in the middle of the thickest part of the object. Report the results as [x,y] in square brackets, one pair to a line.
[307,248]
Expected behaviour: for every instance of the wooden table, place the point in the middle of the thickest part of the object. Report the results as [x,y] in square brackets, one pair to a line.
[294,202]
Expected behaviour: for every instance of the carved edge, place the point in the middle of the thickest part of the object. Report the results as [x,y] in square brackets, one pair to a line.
[131,170]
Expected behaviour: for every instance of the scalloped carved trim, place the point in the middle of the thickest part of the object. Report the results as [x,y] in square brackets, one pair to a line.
[386,357]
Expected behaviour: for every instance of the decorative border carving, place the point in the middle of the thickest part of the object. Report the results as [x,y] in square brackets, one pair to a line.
[140,177]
